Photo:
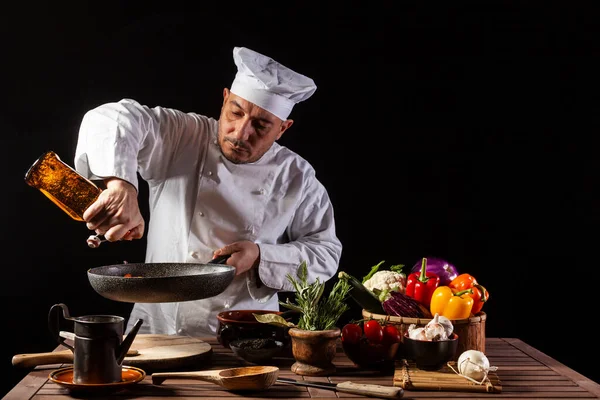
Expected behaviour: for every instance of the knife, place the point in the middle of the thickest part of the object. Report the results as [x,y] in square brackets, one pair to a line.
[385,392]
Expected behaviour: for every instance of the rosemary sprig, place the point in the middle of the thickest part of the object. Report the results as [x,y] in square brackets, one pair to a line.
[317,312]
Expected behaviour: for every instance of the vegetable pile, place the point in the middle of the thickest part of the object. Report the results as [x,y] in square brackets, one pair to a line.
[434,286]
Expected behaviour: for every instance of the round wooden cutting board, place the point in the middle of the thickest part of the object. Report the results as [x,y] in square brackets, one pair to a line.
[157,352]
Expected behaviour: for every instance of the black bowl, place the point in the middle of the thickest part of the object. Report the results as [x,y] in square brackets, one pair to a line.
[430,355]
[368,355]
[256,351]
[241,324]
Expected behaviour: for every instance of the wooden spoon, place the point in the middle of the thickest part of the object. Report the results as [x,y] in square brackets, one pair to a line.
[27,360]
[243,378]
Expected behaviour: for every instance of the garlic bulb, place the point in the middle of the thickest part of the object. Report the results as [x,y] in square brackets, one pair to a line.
[473,364]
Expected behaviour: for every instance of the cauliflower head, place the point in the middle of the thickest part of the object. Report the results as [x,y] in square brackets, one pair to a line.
[383,282]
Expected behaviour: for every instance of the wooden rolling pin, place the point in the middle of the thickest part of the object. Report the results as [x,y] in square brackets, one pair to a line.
[28,360]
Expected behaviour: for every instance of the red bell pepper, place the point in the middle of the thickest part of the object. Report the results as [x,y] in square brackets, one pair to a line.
[479,294]
[421,285]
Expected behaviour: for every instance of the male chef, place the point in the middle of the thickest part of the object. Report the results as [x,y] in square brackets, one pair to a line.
[216,187]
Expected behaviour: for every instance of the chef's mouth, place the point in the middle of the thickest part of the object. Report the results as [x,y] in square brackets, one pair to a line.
[238,148]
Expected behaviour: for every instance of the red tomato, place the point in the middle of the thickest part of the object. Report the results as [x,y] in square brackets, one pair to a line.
[351,333]
[391,334]
[373,331]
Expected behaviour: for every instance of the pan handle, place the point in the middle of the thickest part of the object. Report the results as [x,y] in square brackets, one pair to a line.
[220,259]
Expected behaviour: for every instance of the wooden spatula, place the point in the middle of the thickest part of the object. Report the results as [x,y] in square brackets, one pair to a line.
[242,378]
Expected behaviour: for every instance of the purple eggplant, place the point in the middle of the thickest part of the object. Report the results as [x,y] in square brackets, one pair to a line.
[442,268]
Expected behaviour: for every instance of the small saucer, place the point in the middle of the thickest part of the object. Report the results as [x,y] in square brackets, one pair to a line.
[64,377]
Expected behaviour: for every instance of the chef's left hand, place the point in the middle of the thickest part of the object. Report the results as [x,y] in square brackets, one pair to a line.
[244,255]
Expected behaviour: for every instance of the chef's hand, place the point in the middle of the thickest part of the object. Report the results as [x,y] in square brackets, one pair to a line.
[116,213]
[244,255]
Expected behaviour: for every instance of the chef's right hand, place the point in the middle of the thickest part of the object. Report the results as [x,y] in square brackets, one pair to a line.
[116,213]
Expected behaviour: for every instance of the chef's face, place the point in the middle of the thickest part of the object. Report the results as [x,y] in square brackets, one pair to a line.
[247,131]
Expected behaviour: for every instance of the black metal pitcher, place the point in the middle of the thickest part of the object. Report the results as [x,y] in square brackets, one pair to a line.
[98,348]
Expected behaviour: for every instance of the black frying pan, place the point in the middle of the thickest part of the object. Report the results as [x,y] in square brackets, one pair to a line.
[161,282]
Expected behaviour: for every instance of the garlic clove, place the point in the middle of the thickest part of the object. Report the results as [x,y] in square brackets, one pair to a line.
[434,330]
[416,333]
[447,324]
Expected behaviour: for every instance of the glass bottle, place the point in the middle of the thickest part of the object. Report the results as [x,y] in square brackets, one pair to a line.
[68,189]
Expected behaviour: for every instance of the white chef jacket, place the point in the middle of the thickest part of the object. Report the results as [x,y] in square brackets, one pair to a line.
[199,201]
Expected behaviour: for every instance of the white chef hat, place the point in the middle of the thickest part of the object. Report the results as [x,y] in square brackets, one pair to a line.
[268,84]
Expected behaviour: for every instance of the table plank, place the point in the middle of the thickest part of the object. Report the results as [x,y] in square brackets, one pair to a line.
[28,386]
[524,372]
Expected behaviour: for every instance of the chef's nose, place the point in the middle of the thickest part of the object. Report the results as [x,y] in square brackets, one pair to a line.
[244,130]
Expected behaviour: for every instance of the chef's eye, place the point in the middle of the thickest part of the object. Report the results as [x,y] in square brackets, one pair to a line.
[261,129]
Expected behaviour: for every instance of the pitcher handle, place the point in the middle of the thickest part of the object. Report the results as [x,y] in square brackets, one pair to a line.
[54,324]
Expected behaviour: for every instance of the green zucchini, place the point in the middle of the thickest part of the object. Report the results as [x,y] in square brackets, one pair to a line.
[363,296]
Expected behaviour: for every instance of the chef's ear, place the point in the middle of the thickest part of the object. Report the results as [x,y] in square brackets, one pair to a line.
[225,94]
[285,125]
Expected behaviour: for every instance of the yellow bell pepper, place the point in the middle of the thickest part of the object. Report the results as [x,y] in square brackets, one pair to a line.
[451,303]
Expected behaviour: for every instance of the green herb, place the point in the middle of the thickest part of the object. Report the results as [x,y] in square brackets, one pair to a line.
[374,269]
[396,268]
[317,312]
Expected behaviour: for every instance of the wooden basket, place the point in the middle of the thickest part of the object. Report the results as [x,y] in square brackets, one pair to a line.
[470,331]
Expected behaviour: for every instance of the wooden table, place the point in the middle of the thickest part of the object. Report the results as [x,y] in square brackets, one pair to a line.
[524,373]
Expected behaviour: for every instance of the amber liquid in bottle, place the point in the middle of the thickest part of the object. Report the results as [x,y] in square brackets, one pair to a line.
[68,189]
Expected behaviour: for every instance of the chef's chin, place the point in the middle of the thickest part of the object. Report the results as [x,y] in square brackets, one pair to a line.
[236,156]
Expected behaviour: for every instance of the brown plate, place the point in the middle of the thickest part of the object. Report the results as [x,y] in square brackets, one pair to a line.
[64,377]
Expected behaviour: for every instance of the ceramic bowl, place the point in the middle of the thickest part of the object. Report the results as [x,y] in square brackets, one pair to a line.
[368,355]
[241,324]
[256,351]
[430,355]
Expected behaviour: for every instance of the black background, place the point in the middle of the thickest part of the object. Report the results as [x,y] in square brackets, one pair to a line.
[463,131]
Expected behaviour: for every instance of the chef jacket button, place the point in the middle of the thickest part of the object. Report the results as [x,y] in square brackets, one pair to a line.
[215,141]
[209,173]
[193,254]
[200,213]
[180,331]
[261,191]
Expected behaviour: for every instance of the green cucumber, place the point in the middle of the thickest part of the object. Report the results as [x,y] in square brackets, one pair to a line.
[363,296]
